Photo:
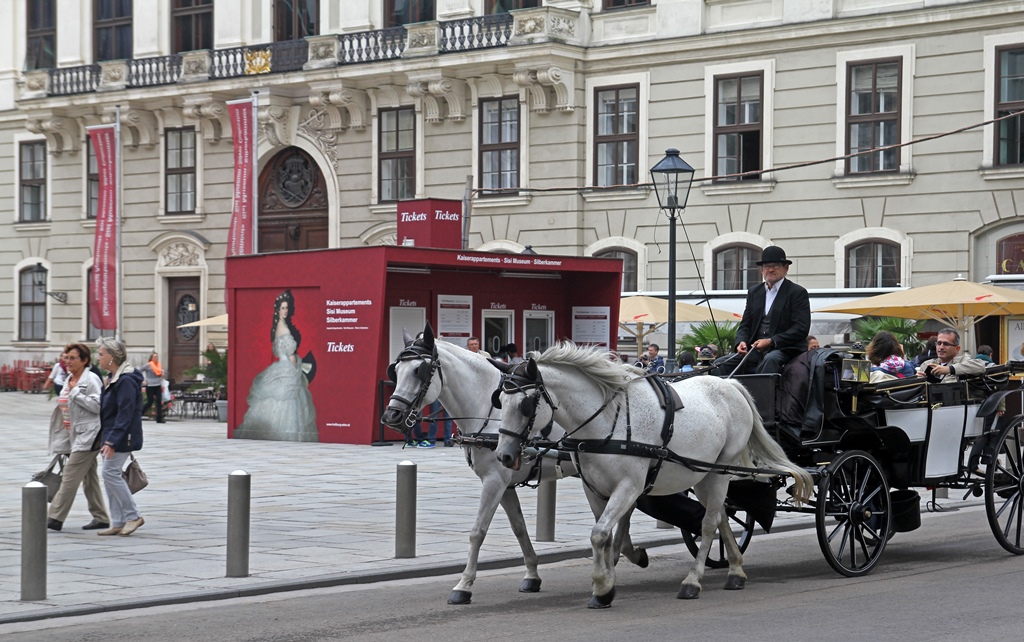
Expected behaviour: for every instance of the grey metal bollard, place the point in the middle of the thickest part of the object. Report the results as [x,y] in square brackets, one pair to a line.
[239,500]
[546,511]
[405,510]
[33,542]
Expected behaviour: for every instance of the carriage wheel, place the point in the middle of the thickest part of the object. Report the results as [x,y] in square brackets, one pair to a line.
[854,515]
[742,527]
[1004,483]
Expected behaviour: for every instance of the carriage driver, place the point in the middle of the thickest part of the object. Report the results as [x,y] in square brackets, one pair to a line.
[775,322]
[949,363]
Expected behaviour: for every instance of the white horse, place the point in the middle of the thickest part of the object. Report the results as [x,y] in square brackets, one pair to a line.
[464,384]
[613,409]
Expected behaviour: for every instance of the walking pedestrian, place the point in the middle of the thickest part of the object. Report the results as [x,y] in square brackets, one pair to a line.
[121,421]
[77,432]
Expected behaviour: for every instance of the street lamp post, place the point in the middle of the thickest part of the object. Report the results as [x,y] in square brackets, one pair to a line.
[667,175]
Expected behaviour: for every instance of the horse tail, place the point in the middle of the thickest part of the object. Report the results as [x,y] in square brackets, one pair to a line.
[766,452]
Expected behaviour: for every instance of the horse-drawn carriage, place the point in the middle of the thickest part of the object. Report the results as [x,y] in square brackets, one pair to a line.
[869,445]
[861,446]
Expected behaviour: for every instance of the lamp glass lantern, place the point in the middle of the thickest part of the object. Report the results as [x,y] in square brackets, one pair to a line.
[39,276]
[668,175]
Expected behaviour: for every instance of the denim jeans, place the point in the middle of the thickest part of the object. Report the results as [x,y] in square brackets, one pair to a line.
[417,432]
[122,504]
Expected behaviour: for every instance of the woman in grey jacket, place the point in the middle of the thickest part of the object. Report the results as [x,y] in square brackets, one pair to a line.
[75,429]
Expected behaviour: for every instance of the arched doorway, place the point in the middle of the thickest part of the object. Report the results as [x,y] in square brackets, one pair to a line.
[292,204]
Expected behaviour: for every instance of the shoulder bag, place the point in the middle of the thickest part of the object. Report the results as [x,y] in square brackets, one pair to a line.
[134,476]
[51,479]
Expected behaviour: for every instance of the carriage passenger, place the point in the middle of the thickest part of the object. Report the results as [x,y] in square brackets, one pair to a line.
[949,363]
[886,356]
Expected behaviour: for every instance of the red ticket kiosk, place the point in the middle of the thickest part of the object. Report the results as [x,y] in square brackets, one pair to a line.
[312,333]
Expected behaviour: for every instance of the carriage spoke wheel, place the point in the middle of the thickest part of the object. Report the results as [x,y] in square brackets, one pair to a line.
[853,513]
[742,528]
[1004,489]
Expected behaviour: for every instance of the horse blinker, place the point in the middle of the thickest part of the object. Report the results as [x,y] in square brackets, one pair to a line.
[392,373]
[529,406]
[496,399]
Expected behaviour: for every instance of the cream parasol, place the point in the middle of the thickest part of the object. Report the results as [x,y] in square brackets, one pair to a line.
[221,319]
[959,303]
[641,315]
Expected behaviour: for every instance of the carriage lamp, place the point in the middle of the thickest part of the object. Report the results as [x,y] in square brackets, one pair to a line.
[39,274]
[668,175]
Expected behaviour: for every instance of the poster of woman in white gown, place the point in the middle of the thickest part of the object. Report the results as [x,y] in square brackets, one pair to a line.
[280,404]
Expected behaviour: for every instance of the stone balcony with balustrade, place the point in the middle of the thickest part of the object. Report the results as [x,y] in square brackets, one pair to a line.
[439,38]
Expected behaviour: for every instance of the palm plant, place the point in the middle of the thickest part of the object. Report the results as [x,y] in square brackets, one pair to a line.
[905,331]
[214,371]
[722,335]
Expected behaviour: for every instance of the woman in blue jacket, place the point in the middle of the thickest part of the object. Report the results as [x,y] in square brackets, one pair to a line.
[121,422]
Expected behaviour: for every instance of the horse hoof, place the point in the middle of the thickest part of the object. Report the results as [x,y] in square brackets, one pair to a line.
[642,559]
[735,582]
[460,597]
[688,592]
[530,585]
[601,601]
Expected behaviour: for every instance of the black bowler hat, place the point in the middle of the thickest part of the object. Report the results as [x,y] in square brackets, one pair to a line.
[774,254]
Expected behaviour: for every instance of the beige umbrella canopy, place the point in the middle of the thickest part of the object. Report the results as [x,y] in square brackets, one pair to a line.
[959,303]
[642,315]
[221,319]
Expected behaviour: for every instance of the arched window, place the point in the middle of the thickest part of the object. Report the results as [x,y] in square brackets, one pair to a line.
[628,266]
[735,267]
[873,264]
[31,306]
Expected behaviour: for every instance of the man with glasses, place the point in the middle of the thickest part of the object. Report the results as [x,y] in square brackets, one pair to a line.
[949,363]
[775,322]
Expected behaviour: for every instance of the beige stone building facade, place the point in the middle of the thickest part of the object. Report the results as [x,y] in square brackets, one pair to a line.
[554,110]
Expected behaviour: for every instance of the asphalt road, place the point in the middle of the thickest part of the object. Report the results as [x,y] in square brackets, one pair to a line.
[949,580]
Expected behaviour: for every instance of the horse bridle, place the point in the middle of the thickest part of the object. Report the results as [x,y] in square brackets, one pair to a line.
[517,381]
[425,373]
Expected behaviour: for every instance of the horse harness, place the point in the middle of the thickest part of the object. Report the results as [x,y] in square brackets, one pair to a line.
[669,400]
[518,381]
[424,372]
[431,363]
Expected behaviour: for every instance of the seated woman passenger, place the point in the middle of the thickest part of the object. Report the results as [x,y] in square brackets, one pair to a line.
[886,356]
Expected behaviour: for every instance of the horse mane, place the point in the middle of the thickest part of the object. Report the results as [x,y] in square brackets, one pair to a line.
[600,366]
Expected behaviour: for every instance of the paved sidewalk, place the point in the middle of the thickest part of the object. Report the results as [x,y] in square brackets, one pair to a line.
[322,514]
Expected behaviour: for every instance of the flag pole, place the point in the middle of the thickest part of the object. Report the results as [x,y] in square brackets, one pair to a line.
[117,223]
[253,171]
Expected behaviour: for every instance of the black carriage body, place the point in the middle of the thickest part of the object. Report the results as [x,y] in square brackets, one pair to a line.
[918,431]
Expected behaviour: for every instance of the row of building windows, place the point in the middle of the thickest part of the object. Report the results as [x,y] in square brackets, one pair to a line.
[873,114]
[192,23]
[869,264]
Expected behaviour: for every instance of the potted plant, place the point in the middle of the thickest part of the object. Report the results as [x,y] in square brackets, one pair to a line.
[215,372]
[722,334]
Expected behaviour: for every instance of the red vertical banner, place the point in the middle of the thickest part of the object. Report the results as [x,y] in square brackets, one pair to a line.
[243,132]
[103,285]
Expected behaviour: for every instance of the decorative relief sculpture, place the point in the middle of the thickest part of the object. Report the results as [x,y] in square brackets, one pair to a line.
[209,114]
[257,61]
[62,133]
[180,255]
[317,129]
[274,124]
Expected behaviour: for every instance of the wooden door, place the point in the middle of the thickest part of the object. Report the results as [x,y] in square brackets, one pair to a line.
[183,346]
[292,204]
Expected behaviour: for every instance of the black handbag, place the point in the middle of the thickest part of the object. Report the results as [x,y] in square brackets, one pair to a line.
[51,479]
[134,476]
